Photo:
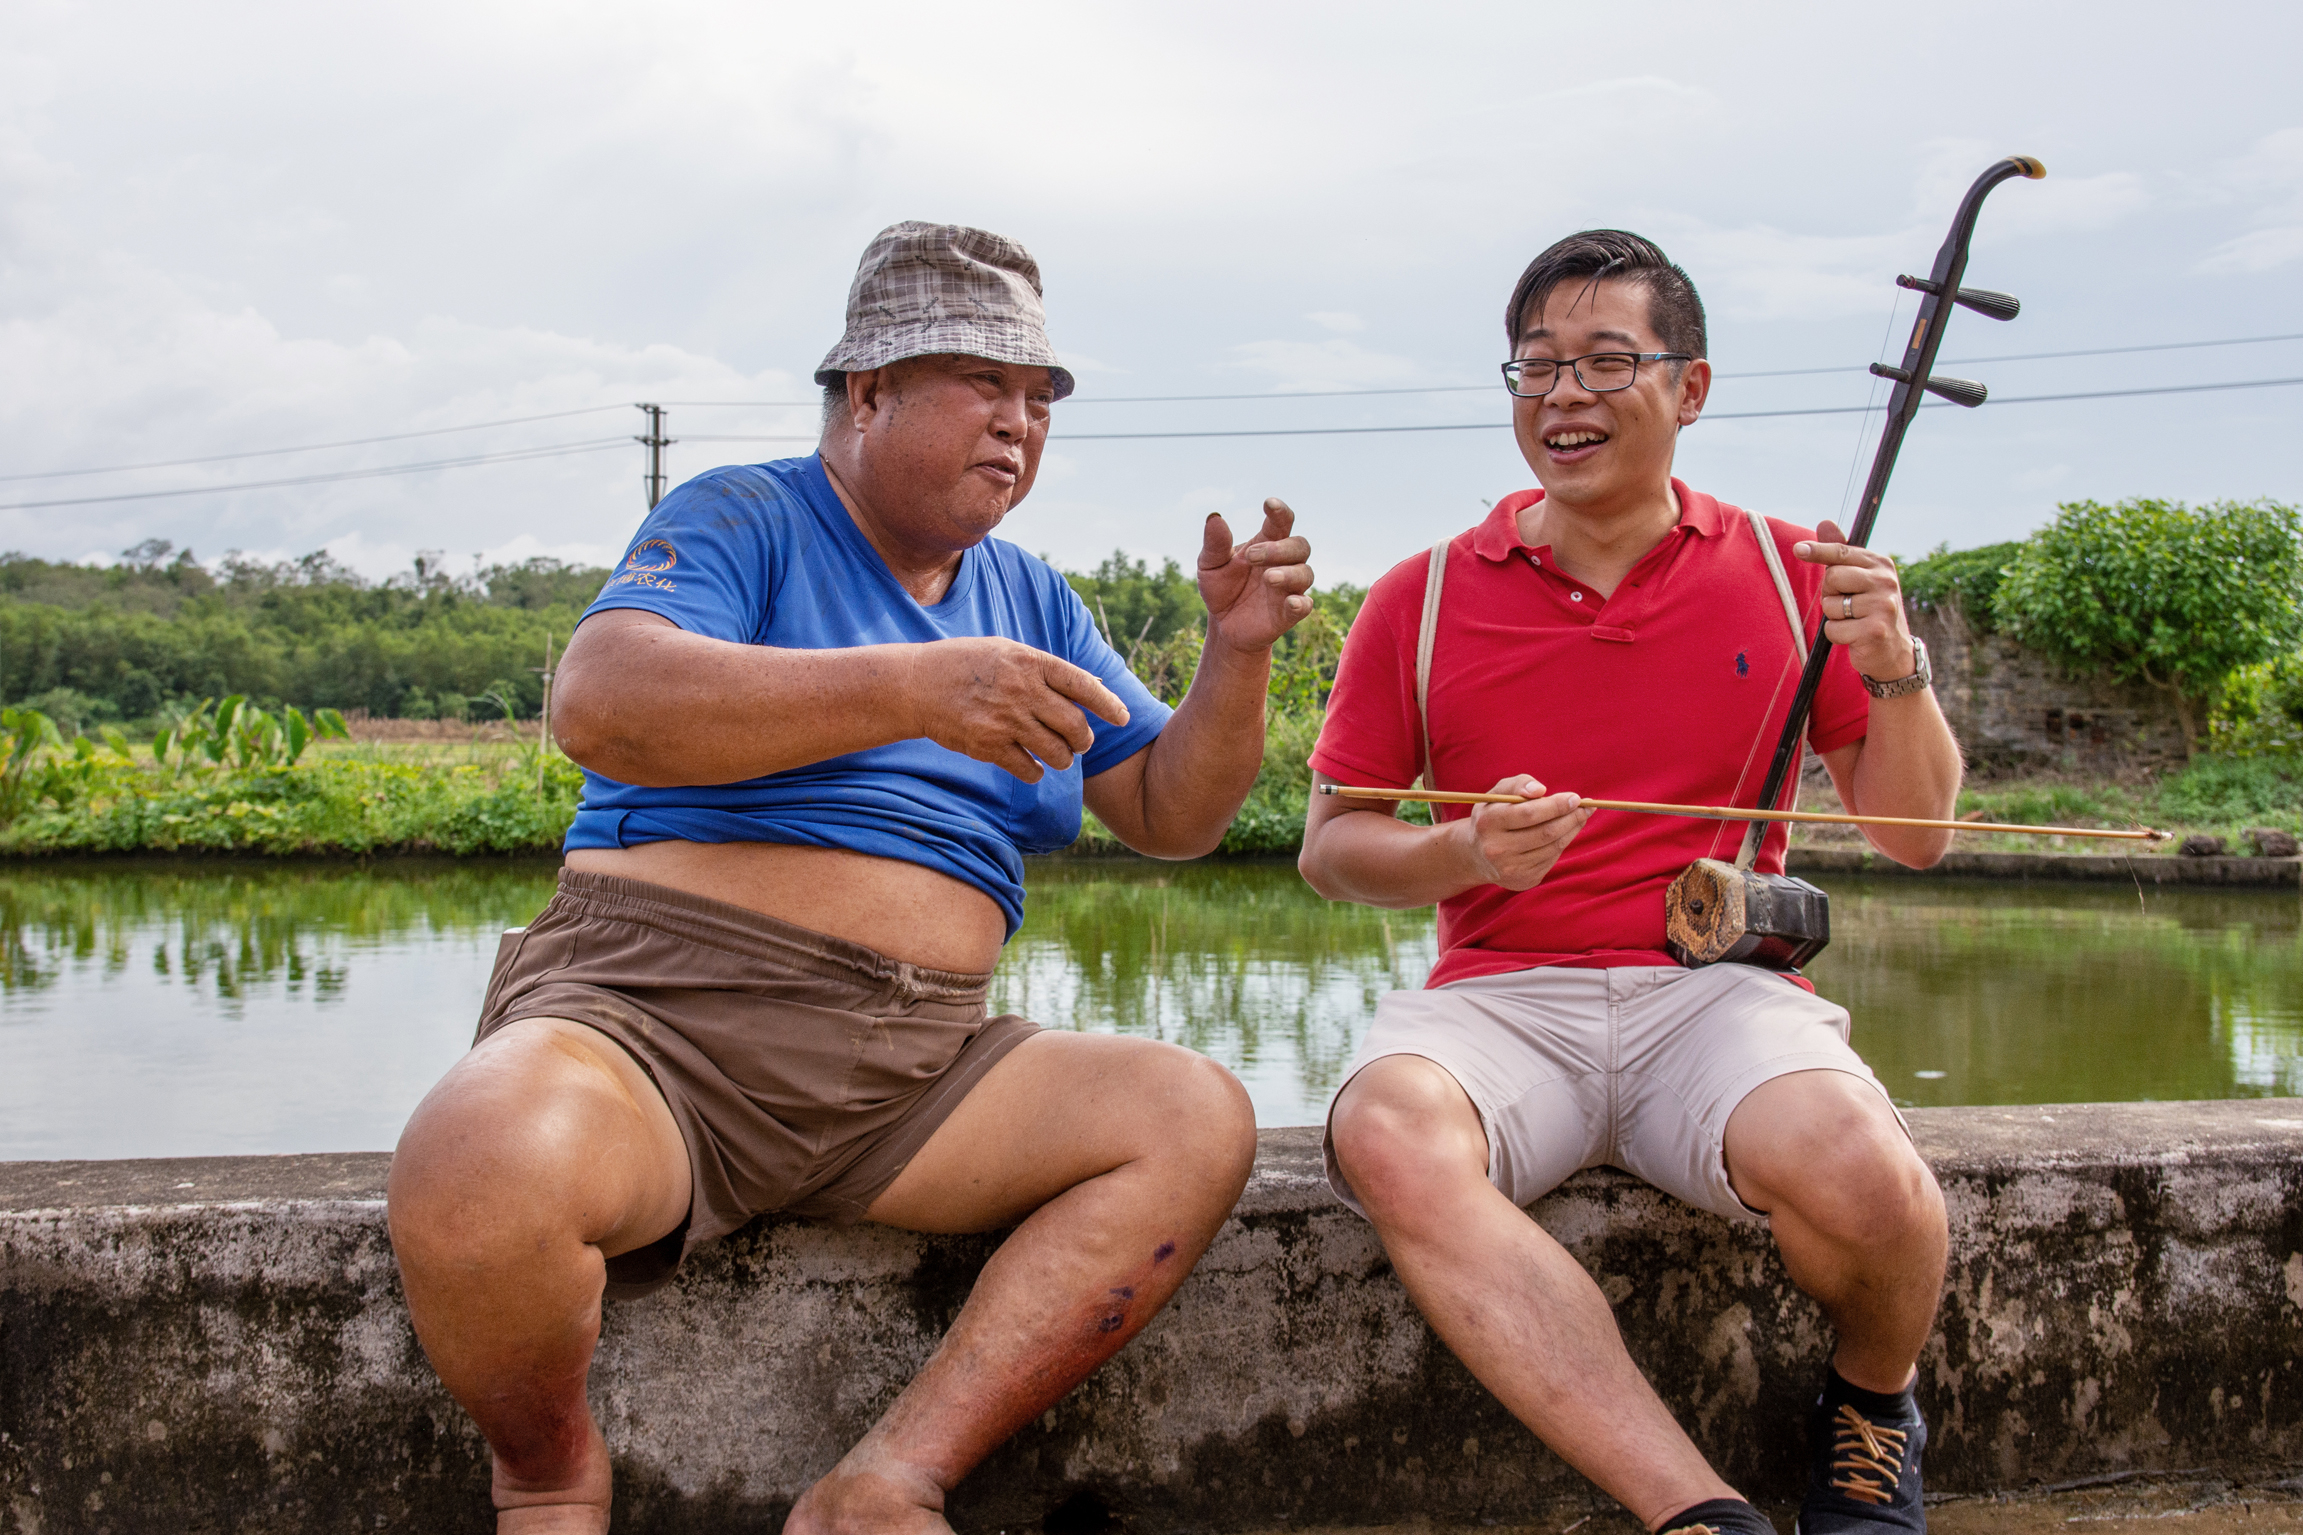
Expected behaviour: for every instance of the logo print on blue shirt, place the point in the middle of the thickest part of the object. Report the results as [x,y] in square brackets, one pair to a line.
[1742,664]
[651,554]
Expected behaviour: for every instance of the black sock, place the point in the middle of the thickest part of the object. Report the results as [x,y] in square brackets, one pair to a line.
[1729,1516]
[1876,1405]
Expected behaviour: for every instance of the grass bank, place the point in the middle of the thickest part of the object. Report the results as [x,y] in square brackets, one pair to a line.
[494,792]
[357,800]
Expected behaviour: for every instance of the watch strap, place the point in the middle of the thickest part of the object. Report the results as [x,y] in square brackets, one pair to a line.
[1921,676]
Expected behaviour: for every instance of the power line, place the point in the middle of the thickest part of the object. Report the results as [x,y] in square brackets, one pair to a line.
[2020,399]
[513,456]
[595,445]
[1498,426]
[1305,394]
[311,447]
[1342,394]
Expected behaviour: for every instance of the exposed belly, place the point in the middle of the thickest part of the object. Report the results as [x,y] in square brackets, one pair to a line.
[901,909]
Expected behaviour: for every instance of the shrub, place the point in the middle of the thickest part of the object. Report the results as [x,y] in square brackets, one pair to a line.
[2157,592]
[1966,579]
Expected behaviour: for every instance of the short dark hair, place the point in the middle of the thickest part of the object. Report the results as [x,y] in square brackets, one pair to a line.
[1673,310]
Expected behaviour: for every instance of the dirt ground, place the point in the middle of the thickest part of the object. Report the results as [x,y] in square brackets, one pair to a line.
[2192,1508]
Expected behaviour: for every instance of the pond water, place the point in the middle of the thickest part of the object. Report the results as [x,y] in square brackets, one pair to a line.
[182,1009]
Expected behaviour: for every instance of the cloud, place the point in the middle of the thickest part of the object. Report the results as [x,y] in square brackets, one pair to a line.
[2060,204]
[2269,176]
[133,367]
[1336,320]
[1332,364]
[2256,252]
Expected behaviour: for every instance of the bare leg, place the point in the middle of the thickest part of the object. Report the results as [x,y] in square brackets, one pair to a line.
[543,1153]
[1520,1313]
[1122,1158]
[1855,1211]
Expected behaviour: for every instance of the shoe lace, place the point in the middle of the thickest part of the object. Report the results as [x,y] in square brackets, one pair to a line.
[1867,1458]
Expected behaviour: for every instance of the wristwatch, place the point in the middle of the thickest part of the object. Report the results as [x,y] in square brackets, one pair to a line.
[1919,678]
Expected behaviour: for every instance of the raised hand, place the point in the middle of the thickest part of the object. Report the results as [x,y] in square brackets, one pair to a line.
[1515,845]
[1005,703]
[1862,602]
[1255,592]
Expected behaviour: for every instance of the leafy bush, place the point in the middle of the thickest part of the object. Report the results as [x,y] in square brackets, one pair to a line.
[1966,578]
[2260,709]
[331,806]
[2157,592]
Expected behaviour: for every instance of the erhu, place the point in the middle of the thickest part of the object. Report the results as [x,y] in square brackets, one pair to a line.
[1717,911]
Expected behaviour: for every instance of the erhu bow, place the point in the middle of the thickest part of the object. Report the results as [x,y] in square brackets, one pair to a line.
[1719,911]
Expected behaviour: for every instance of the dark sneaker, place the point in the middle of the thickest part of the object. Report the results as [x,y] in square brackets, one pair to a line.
[1863,1463]
[1720,1516]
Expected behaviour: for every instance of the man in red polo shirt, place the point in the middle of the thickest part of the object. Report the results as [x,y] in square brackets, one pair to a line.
[1619,634]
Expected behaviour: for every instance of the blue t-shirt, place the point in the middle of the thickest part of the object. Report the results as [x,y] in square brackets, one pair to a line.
[768,555]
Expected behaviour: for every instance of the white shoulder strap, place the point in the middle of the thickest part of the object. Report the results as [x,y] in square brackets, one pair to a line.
[1774,558]
[1434,579]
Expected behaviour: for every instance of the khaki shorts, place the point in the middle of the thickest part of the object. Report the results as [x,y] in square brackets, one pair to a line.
[1637,1068]
[804,1071]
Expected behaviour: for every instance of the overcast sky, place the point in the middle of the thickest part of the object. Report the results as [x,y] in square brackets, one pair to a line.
[227,228]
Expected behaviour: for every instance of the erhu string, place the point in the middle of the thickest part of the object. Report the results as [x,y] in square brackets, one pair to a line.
[1759,738]
[1846,491]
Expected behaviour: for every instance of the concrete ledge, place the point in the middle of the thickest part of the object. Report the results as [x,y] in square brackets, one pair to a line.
[2150,868]
[220,1345]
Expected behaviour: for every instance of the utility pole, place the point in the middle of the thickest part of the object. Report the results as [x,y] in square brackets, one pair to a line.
[655,441]
[544,738]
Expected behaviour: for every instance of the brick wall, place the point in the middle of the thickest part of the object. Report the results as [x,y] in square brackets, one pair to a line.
[2013,710]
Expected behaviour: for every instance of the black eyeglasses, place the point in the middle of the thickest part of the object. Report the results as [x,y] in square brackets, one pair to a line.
[1602,372]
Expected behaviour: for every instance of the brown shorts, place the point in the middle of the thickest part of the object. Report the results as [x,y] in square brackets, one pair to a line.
[804,1071]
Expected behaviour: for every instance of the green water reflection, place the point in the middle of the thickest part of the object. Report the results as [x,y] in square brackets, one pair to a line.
[176,1008]
[1240,961]
[231,929]
[1966,992]
[2057,993]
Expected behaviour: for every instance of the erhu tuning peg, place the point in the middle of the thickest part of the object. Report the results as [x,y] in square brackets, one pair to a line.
[1988,302]
[1959,391]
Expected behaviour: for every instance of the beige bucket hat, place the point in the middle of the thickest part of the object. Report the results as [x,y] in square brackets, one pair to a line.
[923,289]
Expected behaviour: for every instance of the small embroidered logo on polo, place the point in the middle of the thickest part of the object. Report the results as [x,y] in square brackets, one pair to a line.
[1742,664]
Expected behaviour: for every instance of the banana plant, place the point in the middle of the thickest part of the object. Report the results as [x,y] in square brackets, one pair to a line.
[236,733]
[24,733]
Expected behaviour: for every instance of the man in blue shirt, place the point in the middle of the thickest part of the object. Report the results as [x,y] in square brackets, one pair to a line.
[822,715]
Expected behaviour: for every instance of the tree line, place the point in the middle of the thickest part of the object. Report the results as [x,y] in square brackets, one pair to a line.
[143,640]
[2205,603]
[140,642]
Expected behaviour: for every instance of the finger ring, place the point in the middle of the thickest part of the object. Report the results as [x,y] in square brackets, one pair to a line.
[1847,604]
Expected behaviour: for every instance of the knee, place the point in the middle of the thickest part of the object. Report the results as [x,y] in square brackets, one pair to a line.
[1403,1131]
[1869,1190]
[1209,1121]
[493,1159]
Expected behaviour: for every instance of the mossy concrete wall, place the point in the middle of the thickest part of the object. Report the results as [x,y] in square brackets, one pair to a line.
[2014,710]
[220,1345]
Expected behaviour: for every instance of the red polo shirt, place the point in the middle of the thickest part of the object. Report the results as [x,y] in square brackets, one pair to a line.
[1673,689]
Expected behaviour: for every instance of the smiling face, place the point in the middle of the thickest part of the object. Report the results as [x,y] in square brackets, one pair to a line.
[938,449]
[1603,454]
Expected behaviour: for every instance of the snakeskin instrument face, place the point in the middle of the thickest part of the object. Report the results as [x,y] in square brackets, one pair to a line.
[1716,913]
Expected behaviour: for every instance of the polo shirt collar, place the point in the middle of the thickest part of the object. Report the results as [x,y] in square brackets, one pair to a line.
[1497,539]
